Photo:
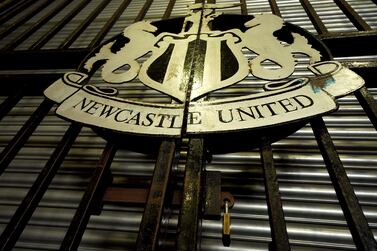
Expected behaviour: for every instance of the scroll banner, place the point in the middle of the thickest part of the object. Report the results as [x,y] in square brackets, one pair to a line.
[293,101]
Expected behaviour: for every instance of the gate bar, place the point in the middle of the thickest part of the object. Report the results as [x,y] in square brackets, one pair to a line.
[23,5]
[352,15]
[27,207]
[191,200]
[368,103]
[51,33]
[357,223]
[80,29]
[22,20]
[279,235]
[169,9]
[109,24]
[25,34]
[143,10]
[90,200]
[150,223]
[313,16]
[10,151]
[7,4]
[243,7]
[274,8]
[11,101]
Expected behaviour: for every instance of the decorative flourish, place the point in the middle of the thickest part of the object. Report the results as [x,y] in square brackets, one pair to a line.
[141,42]
[259,38]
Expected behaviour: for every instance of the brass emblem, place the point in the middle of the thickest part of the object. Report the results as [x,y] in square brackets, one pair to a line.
[191,57]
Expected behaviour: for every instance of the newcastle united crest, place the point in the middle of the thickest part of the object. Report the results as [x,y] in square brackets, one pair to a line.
[189,58]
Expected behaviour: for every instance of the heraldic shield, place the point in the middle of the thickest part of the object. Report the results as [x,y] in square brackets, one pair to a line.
[191,57]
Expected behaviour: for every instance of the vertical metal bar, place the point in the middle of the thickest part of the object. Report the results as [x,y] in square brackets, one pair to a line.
[18,40]
[23,213]
[144,10]
[169,9]
[7,155]
[243,7]
[191,202]
[368,103]
[14,11]
[90,199]
[357,223]
[47,36]
[313,16]
[274,8]
[278,227]
[110,22]
[77,32]
[22,20]
[150,223]
[352,15]
[6,5]
[11,101]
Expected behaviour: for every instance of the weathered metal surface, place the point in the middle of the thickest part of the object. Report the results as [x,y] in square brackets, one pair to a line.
[357,223]
[362,43]
[279,235]
[212,197]
[23,213]
[91,200]
[151,221]
[188,223]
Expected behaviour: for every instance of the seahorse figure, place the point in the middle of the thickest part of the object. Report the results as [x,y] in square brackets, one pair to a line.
[259,39]
[141,42]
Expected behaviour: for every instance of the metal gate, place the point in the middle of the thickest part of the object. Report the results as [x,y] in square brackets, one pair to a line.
[61,186]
